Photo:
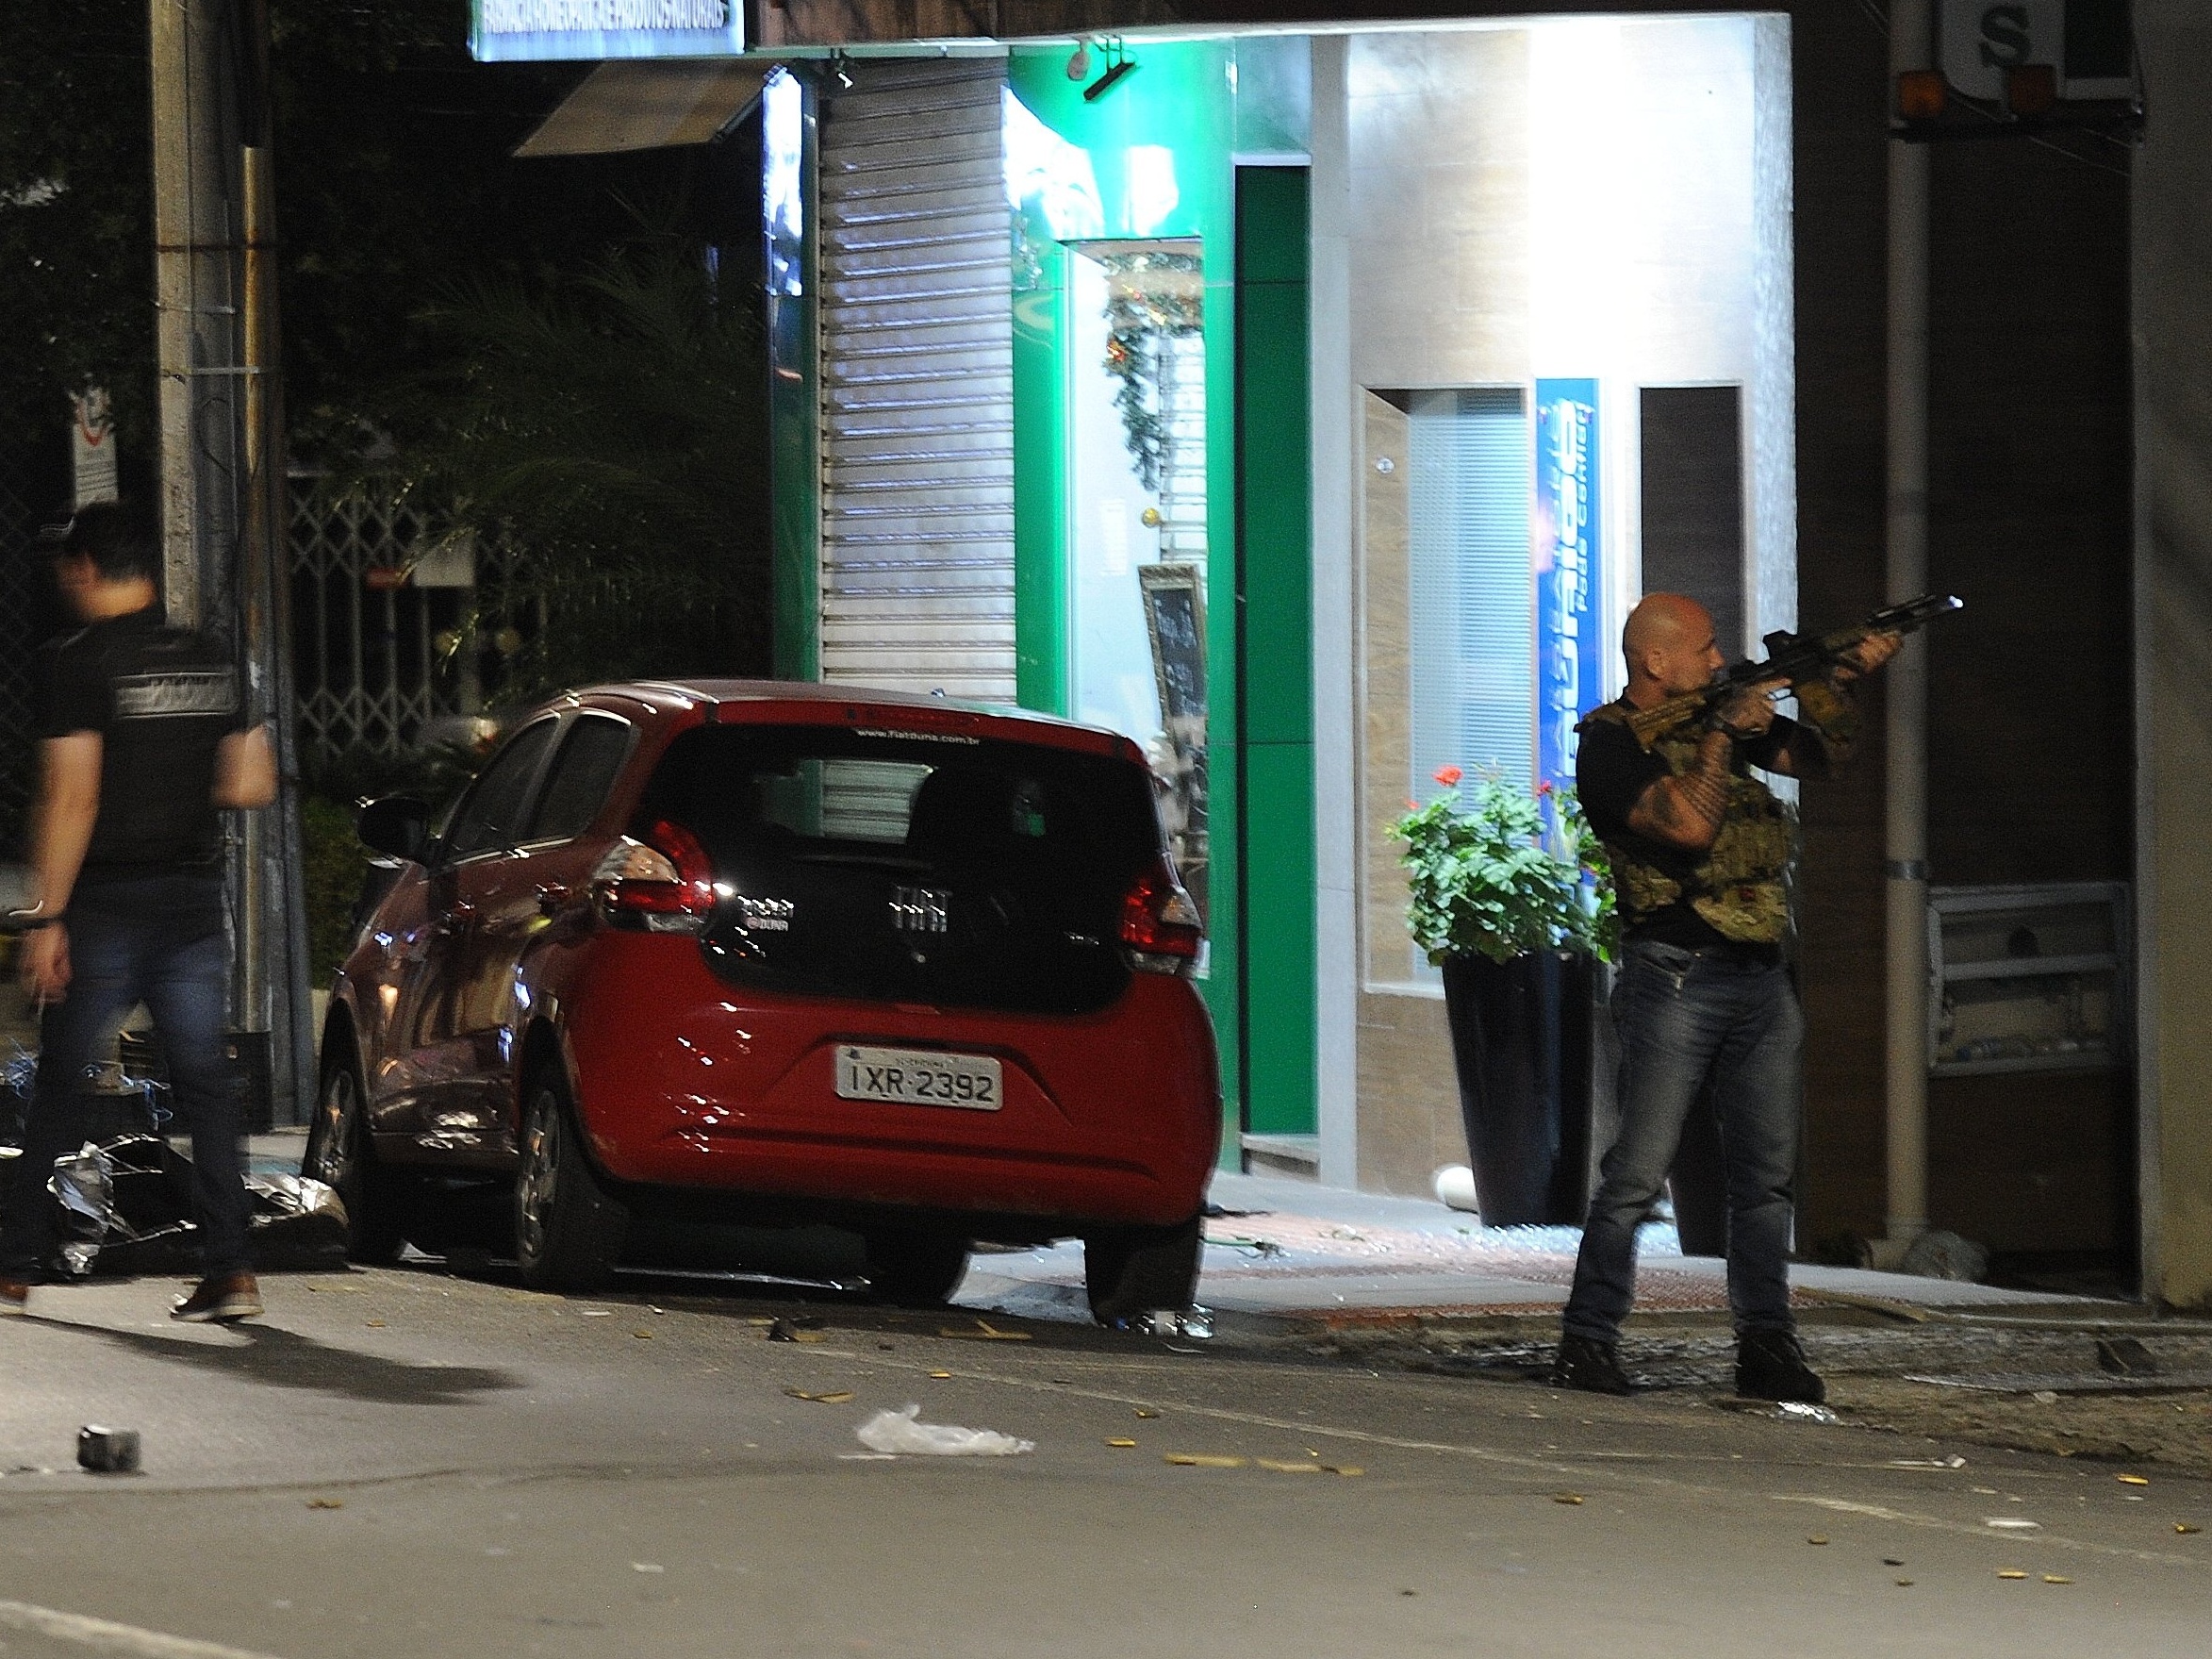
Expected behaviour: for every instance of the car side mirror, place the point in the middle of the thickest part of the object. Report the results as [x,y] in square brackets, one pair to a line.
[396,825]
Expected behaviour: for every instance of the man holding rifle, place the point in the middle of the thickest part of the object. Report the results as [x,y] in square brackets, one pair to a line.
[1700,851]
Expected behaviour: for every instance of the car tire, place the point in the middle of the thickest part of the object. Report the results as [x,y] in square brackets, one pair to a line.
[341,1155]
[916,1270]
[1130,1270]
[569,1230]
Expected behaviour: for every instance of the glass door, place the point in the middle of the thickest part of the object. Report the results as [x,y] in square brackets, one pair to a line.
[1136,434]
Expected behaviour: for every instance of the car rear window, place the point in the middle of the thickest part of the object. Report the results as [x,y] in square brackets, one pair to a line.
[910,868]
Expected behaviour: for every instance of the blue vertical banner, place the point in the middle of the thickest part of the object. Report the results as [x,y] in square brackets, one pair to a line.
[1569,671]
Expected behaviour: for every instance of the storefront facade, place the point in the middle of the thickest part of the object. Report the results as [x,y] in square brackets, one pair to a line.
[1429,346]
[1046,442]
[1307,407]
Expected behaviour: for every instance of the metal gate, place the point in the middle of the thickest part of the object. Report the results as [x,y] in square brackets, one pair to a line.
[384,643]
[918,381]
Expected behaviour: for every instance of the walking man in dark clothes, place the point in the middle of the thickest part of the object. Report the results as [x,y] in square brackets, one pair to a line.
[141,746]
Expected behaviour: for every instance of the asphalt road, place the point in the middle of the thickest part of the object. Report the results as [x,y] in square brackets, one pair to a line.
[403,1462]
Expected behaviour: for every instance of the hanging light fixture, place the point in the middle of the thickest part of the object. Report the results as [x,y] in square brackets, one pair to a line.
[1121,65]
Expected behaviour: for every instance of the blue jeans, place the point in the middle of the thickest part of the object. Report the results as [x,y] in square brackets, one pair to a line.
[1688,1020]
[158,940]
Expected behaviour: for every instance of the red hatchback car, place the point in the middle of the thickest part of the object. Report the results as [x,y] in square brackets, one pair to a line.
[783,954]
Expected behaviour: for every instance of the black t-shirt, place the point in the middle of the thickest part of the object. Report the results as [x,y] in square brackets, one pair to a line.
[162,702]
[1611,771]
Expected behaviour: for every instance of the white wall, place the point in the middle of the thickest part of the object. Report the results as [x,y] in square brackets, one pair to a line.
[1587,195]
[1491,203]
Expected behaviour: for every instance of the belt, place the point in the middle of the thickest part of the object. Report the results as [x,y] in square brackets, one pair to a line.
[1748,954]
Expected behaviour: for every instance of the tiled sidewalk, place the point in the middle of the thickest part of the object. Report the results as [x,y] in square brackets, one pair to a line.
[1287,1247]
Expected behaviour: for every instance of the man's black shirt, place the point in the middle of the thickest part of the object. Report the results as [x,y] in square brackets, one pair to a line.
[162,702]
[1611,771]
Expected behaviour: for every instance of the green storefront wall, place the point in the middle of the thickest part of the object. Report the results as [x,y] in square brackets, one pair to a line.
[1251,222]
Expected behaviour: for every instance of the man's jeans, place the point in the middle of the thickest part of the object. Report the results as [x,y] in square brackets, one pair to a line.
[158,940]
[1688,1020]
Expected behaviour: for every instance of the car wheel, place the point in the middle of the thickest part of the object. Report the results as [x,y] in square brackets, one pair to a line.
[916,1270]
[340,1156]
[1130,1270]
[568,1232]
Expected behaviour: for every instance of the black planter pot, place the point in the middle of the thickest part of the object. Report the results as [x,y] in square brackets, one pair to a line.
[1521,1035]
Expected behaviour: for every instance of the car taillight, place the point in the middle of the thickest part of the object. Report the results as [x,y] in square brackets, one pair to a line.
[663,883]
[1160,925]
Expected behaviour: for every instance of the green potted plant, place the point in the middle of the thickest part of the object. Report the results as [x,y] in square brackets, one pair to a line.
[1511,897]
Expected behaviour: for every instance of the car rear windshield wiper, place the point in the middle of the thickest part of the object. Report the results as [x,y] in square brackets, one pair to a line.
[884,861]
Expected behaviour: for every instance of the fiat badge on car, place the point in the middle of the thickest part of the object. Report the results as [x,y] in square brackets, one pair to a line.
[920,909]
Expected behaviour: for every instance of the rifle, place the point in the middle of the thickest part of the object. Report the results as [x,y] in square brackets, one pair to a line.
[1789,657]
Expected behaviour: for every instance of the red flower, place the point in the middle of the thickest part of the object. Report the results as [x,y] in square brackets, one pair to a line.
[1448,777]
[1544,788]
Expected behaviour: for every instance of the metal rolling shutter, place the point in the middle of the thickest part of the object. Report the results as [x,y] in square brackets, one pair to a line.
[917,382]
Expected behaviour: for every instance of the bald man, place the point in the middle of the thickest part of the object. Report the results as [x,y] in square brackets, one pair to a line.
[1700,850]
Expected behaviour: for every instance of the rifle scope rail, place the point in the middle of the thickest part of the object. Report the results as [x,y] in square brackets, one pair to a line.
[1789,657]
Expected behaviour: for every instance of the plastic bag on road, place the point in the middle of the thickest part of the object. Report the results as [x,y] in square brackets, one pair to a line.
[83,1184]
[126,1208]
[900,1431]
[1800,1411]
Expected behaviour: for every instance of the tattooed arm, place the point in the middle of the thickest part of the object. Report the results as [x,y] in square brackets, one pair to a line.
[1684,810]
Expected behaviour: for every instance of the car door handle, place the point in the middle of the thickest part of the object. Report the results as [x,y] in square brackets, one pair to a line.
[550,897]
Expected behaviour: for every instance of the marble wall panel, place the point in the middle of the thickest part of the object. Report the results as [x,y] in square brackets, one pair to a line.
[1409,1097]
[1386,703]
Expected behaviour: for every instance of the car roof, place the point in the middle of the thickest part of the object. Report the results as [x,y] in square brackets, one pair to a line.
[765,702]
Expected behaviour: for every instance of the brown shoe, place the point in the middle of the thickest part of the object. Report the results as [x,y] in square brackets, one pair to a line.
[220,1300]
[15,1295]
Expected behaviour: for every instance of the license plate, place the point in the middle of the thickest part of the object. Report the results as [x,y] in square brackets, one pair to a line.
[919,1077]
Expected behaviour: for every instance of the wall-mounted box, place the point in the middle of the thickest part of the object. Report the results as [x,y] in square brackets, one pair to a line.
[2028,978]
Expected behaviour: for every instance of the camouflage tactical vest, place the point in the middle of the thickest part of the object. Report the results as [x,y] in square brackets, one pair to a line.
[1740,888]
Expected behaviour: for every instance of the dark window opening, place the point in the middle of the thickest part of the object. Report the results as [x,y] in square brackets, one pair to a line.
[1692,462]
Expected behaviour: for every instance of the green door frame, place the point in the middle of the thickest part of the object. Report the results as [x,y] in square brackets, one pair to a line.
[1275,655]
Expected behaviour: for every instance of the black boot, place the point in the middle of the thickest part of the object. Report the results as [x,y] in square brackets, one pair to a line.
[1591,1366]
[1770,1365]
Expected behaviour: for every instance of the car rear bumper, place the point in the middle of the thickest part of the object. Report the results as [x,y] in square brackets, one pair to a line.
[684,1082]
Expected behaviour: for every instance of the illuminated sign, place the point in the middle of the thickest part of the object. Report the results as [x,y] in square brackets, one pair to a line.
[782,192]
[508,30]
[1568,670]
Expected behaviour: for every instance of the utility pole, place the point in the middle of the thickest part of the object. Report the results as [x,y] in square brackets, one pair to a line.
[274,988]
[1906,830]
[195,319]
[225,570]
